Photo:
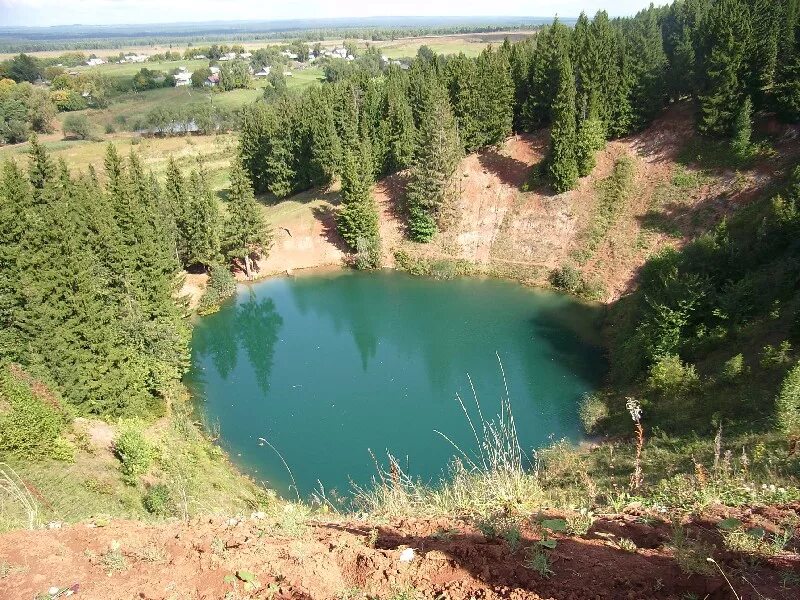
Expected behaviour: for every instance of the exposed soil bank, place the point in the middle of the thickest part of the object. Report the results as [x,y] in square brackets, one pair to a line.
[333,559]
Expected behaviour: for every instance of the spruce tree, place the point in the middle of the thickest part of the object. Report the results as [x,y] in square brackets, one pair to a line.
[399,122]
[202,224]
[435,160]
[247,236]
[743,129]
[551,43]
[41,168]
[591,137]
[727,42]
[562,162]
[786,91]
[16,200]
[357,220]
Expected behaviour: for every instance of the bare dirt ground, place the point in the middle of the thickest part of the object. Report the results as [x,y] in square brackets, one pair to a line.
[215,557]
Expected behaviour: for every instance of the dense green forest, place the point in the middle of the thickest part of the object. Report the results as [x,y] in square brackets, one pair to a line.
[90,271]
[600,80]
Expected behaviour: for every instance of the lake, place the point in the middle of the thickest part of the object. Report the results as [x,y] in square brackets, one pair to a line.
[331,368]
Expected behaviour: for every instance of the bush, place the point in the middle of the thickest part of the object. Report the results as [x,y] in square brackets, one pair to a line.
[592,411]
[221,286]
[133,451]
[77,126]
[733,368]
[670,375]
[787,405]
[157,501]
[569,279]
[773,358]
[30,426]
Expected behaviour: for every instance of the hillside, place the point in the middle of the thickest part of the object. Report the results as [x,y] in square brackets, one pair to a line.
[495,227]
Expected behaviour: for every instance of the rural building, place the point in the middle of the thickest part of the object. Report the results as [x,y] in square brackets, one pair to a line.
[183,77]
[264,72]
[94,62]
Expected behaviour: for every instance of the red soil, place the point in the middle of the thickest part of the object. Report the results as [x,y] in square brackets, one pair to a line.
[329,559]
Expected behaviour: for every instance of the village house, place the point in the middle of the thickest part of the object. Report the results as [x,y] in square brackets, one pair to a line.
[183,77]
[94,62]
[264,72]
[134,58]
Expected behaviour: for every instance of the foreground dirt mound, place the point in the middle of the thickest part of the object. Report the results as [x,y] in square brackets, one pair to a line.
[260,557]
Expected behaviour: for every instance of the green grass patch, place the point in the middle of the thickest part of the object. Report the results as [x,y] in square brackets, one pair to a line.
[612,192]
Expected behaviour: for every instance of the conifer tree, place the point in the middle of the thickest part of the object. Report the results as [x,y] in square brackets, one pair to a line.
[743,129]
[591,137]
[647,62]
[562,162]
[202,224]
[787,72]
[357,220]
[552,42]
[41,169]
[399,122]
[247,236]
[16,199]
[323,142]
[435,160]
[727,41]
[520,59]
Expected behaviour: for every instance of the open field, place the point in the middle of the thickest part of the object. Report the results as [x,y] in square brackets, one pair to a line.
[469,43]
[212,151]
[135,105]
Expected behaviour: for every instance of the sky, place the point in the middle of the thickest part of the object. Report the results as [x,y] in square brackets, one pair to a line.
[105,12]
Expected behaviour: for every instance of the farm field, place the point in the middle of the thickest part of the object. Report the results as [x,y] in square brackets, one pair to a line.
[136,105]
[213,152]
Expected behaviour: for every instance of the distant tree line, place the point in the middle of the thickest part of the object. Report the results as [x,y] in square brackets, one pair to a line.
[88,42]
[600,80]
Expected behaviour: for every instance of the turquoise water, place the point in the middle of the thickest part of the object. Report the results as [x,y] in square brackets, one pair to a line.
[330,367]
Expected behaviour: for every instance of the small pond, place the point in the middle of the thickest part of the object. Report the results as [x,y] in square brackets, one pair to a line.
[329,367]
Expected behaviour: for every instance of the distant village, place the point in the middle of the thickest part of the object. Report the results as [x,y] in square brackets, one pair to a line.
[183,76]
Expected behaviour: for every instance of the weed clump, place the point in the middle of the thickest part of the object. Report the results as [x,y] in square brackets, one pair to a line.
[134,452]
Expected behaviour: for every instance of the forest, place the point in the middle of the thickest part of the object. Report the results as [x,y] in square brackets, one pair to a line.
[600,80]
[91,262]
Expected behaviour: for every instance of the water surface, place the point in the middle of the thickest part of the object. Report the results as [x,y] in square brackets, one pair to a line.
[329,367]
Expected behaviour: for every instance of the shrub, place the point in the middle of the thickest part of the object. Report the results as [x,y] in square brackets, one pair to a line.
[670,375]
[733,368]
[157,500]
[569,279]
[77,126]
[787,405]
[772,357]
[133,451]
[30,426]
[592,411]
[221,286]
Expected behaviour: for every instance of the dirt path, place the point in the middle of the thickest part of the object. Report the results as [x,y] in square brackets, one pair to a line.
[176,561]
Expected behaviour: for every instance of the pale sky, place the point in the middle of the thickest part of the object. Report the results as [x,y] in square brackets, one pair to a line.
[94,12]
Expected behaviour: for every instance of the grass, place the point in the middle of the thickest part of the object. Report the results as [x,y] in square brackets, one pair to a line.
[671,196]
[212,151]
[613,193]
[197,475]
